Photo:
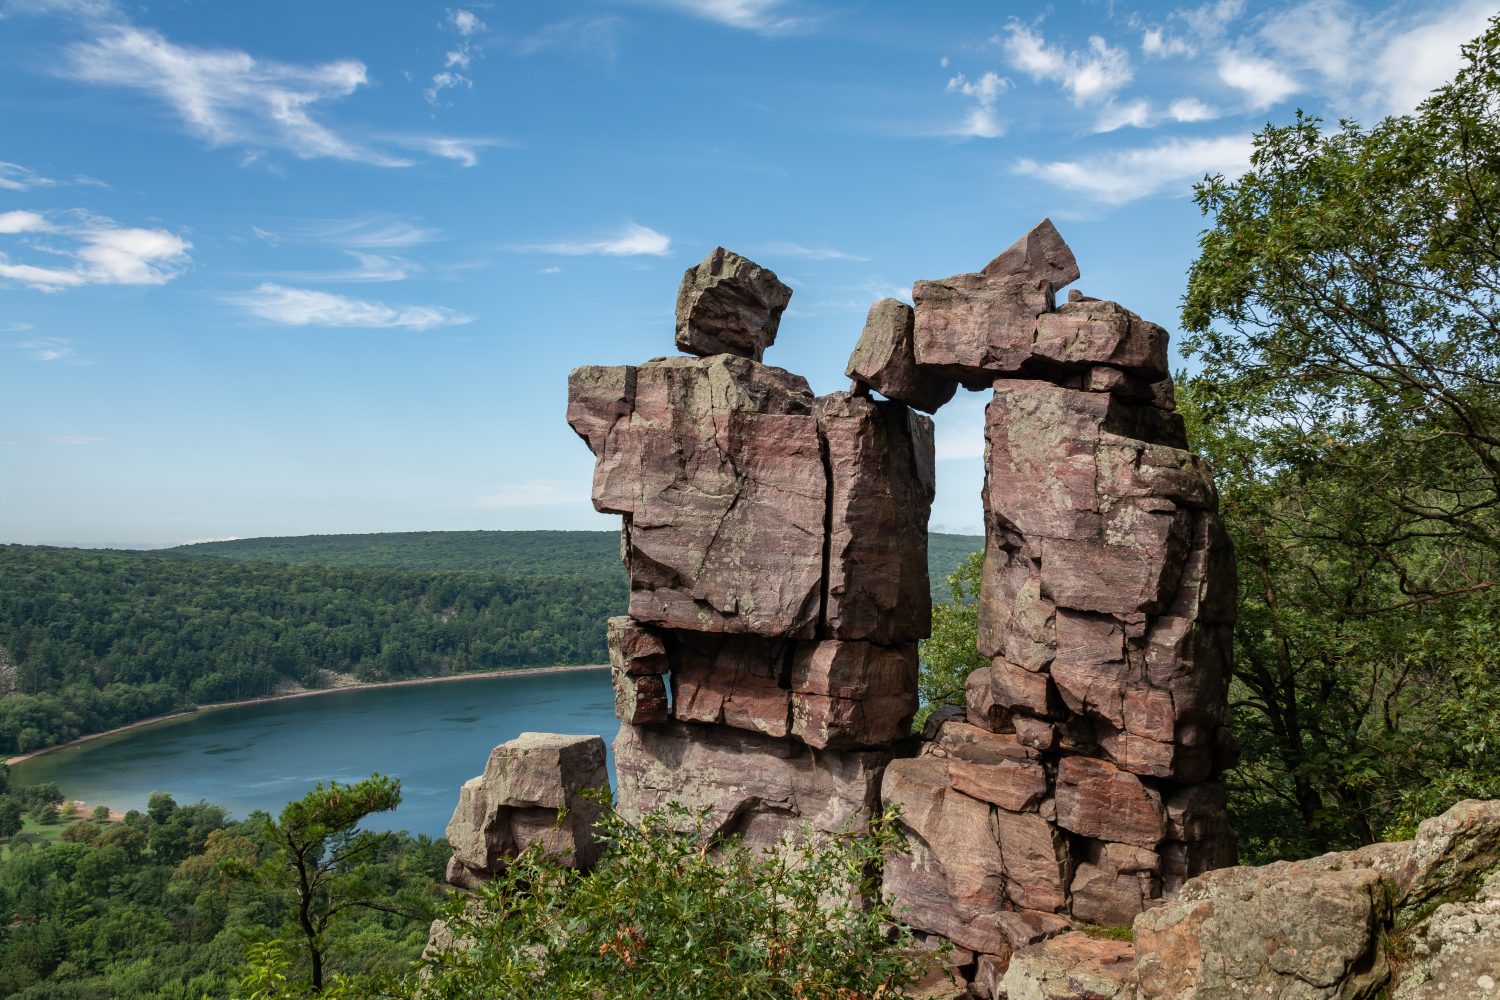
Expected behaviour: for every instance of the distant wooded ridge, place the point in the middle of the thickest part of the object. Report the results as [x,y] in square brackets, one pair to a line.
[592,554]
[91,639]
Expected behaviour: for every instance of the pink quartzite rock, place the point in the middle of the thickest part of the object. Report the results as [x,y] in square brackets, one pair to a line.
[738,681]
[973,328]
[1072,966]
[880,466]
[1041,253]
[719,472]
[1096,799]
[853,694]
[884,359]
[753,785]
[635,649]
[527,783]
[1116,883]
[1102,333]
[728,304]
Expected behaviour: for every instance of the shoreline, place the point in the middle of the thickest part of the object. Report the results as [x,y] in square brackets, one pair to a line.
[264,699]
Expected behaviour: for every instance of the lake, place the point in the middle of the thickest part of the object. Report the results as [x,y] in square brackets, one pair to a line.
[434,737]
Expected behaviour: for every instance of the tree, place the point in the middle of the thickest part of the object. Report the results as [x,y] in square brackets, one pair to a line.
[322,858]
[10,818]
[952,652]
[1345,309]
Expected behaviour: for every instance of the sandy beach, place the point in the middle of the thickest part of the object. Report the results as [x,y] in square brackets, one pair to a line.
[518,672]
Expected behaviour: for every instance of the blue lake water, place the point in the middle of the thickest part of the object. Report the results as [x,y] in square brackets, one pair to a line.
[434,737]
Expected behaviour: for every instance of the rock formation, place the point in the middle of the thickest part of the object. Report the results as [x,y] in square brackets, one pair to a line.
[1080,787]
[531,792]
[776,544]
[776,549]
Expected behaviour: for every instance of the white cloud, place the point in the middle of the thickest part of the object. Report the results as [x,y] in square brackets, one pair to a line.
[981,122]
[534,493]
[23,222]
[445,81]
[632,240]
[1088,75]
[1157,44]
[1135,114]
[1124,175]
[765,17]
[1261,81]
[809,253]
[228,97]
[305,307]
[1212,20]
[466,22]
[14,177]
[597,35]
[1190,109]
[368,268]
[1317,36]
[1412,63]
[94,251]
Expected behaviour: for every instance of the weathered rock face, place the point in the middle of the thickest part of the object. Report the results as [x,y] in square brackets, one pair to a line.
[1071,967]
[729,305]
[531,792]
[1418,919]
[753,785]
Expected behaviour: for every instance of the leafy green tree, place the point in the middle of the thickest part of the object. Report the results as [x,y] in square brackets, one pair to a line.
[666,913]
[1345,310]
[10,818]
[952,653]
[323,859]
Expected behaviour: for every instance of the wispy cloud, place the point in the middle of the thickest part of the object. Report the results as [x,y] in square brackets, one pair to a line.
[44,348]
[981,122]
[1088,75]
[463,150]
[596,35]
[632,240]
[86,249]
[14,177]
[227,96]
[306,307]
[1123,175]
[230,98]
[809,253]
[764,17]
[534,493]
[361,232]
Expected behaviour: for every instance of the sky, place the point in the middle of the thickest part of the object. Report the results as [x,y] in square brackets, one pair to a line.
[291,268]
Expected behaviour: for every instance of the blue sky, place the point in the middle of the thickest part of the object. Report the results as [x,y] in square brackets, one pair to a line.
[287,268]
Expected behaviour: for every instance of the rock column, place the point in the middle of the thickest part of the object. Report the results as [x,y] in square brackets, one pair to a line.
[1079,785]
[776,545]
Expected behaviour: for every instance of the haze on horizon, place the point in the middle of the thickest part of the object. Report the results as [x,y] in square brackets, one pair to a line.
[298,269]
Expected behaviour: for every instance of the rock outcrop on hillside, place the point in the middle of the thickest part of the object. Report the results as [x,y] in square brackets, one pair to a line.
[776,547]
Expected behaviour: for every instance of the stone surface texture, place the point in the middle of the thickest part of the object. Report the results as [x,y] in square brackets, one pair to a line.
[1415,920]
[531,792]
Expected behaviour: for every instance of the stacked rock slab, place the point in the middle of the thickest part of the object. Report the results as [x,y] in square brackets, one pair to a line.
[776,544]
[1081,785]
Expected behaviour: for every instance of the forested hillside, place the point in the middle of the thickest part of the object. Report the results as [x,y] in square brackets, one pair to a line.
[592,554]
[93,639]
